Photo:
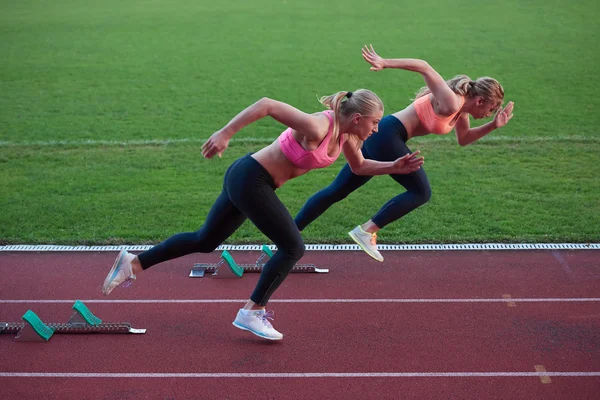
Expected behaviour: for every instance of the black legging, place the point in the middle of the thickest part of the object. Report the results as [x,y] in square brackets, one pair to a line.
[388,144]
[248,192]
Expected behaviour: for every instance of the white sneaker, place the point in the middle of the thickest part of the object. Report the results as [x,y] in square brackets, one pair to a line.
[367,241]
[121,272]
[257,322]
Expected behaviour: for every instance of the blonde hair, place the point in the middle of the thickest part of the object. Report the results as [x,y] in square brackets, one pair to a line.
[362,101]
[486,87]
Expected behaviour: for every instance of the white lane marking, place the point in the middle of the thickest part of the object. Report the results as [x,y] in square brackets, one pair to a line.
[287,374]
[204,301]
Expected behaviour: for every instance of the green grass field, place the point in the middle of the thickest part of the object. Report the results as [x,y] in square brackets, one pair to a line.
[104,106]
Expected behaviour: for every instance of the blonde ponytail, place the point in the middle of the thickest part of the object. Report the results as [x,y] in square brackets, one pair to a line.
[461,84]
[334,103]
[362,101]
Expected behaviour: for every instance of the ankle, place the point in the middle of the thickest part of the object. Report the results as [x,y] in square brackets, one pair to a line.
[252,306]
[136,266]
[369,227]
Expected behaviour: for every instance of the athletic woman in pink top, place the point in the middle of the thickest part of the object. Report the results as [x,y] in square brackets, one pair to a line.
[311,141]
[438,108]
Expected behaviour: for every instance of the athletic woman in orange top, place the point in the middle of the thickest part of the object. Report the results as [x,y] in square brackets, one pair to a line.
[438,108]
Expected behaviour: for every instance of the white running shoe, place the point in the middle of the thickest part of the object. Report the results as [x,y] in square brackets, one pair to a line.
[367,241]
[121,272]
[257,322]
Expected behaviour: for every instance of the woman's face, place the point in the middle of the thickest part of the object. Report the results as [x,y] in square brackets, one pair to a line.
[365,126]
[484,109]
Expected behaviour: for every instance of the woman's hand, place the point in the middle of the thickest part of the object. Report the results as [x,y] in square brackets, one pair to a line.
[373,58]
[504,115]
[408,163]
[216,144]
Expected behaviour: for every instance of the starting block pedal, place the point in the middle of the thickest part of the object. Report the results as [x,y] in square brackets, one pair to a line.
[35,330]
[83,316]
[225,268]
[228,268]
[82,321]
[266,252]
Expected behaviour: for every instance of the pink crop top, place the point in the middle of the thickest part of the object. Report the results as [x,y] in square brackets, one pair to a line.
[305,159]
[430,120]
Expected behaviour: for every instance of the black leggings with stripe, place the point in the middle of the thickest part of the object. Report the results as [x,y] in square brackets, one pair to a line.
[248,192]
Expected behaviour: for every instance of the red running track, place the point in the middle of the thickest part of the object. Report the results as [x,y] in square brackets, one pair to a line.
[353,328]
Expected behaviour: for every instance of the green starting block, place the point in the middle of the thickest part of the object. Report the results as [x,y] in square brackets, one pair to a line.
[81,321]
[266,252]
[225,268]
[228,268]
[83,315]
[35,329]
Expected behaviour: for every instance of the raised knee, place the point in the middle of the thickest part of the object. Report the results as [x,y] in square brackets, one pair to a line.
[426,195]
[422,195]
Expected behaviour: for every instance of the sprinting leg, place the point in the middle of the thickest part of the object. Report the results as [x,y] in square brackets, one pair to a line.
[271,217]
[344,183]
[222,221]
[389,144]
[418,192]
[253,193]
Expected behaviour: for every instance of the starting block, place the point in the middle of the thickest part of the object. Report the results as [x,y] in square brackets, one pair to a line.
[82,321]
[228,268]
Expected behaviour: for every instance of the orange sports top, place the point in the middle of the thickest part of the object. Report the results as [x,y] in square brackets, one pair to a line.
[430,120]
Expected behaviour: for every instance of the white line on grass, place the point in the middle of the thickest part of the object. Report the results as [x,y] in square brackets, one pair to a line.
[207,301]
[145,142]
[289,374]
[162,142]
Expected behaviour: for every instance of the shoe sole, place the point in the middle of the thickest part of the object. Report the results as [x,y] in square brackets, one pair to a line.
[357,241]
[118,260]
[257,334]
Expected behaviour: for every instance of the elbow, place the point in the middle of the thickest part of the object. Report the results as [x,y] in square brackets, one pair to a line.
[265,105]
[462,139]
[357,169]
[424,68]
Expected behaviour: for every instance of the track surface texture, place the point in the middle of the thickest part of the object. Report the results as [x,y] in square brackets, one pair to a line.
[421,325]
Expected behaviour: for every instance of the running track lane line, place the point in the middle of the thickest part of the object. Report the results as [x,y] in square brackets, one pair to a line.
[201,301]
[322,247]
[291,375]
